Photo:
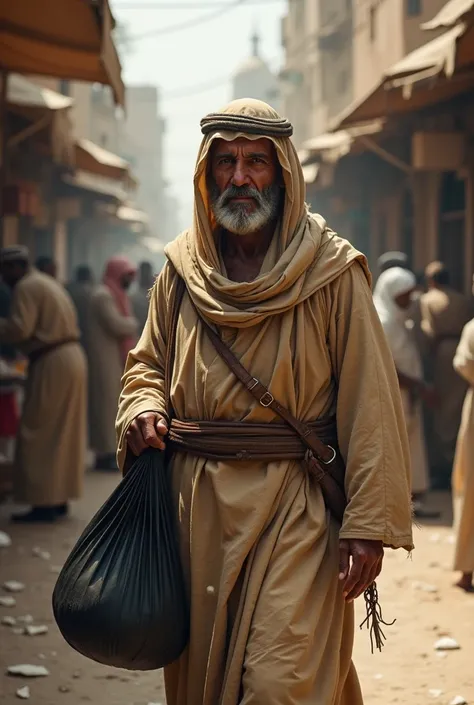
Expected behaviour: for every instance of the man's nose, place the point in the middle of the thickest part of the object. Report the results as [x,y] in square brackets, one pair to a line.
[240,175]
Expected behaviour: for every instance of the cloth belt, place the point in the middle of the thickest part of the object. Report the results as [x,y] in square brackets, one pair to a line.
[227,440]
[38,354]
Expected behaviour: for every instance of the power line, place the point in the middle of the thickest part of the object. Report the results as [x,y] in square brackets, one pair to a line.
[182,5]
[188,24]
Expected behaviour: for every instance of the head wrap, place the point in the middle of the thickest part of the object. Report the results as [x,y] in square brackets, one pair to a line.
[304,254]
[244,116]
[392,283]
[115,269]
[434,268]
[14,253]
[392,259]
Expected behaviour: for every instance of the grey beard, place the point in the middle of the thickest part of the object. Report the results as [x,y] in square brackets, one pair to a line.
[235,217]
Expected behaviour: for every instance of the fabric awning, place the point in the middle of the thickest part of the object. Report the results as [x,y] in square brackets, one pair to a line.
[448,58]
[44,109]
[97,160]
[69,39]
[94,183]
[329,147]
[132,214]
[450,14]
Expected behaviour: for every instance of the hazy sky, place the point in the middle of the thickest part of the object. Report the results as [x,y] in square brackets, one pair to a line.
[206,53]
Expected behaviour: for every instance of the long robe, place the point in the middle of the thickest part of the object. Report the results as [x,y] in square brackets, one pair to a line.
[50,453]
[444,313]
[106,328]
[463,475]
[269,624]
[258,533]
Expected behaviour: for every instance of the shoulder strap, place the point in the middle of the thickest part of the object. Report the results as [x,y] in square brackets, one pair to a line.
[177,297]
[264,397]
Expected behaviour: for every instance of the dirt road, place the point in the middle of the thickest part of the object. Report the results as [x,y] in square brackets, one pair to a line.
[417,592]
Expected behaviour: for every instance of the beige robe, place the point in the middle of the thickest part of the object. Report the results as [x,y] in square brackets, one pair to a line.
[105,329]
[269,624]
[463,476]
[50,456]
[444,314]
[258,533]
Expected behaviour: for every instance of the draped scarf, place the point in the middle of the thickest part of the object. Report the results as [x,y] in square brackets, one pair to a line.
[304,255]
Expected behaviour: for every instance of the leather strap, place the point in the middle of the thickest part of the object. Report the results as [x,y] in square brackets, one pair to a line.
[171,342]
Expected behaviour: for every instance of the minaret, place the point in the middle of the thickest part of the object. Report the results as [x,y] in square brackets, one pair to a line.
[255,40]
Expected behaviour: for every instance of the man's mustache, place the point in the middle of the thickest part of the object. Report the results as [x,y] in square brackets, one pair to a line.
[240,192]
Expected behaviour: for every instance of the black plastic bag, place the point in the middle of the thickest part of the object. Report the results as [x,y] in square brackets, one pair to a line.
[120,598]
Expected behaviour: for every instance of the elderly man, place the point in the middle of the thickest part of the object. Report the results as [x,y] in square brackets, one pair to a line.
[51,443]
[444,313]
[271,573]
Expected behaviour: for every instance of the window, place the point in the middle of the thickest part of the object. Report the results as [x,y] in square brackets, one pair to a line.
[413,8]
[372,23]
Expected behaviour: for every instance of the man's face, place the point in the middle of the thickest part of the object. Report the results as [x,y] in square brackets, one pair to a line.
[244,184]
[12,272]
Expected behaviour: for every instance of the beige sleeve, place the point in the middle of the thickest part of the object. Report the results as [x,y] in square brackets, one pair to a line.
[371,426]
[143,383]
[464,358]
[114,322]
[21,323]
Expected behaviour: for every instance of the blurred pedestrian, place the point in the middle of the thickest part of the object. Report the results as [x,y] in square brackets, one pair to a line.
[80,291]
[392,259]
[140,297]
[463,475]
[51,443]
[9,414]
[393,298]
[112,332]
[444,313]
[47,265]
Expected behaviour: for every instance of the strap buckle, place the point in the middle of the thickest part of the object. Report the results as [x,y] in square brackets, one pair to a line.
[266,399]
[332,459]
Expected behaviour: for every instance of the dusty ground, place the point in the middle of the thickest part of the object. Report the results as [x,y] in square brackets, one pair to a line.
[406,672]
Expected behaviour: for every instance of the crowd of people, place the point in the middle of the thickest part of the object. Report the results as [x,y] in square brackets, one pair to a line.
[429,328]
[75,340]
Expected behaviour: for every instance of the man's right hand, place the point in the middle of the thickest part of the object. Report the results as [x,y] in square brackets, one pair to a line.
[146,431]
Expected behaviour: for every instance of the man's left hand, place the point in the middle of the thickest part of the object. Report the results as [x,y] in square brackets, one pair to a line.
[360,562]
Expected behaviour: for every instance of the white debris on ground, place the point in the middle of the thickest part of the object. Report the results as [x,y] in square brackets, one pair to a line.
[23,693]
[27,670]
[13,586]
[9,621]
[5,540]
[446,643]
[36,631]
[424,587]
[458,700]
[39,553]
[7,601]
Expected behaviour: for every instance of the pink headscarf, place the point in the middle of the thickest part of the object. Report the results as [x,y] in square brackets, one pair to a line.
[116,268]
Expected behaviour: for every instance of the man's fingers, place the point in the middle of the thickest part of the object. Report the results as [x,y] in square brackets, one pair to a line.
[149,432]
[161,427]
[344,558]
[362,584]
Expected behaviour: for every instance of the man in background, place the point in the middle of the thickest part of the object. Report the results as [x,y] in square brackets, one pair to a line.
[80,291]
[444,313]
[50,453]
[47,265]
[140,296]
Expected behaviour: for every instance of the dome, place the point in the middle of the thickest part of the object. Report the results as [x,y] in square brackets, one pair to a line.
[254,63]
